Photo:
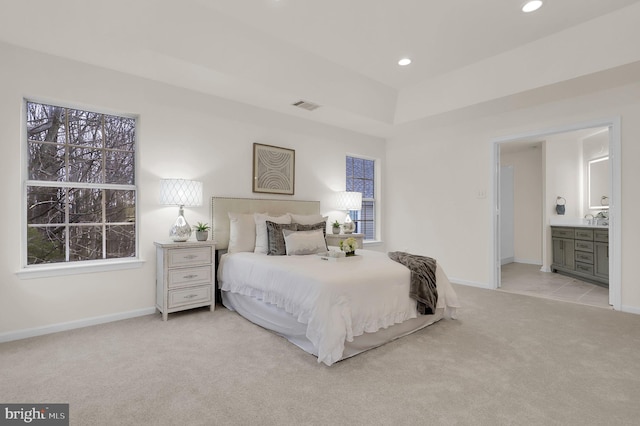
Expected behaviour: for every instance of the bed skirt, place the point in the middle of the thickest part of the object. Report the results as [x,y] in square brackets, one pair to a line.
[284,324]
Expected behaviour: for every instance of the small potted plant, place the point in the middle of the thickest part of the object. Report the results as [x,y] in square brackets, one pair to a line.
[202,231]
[336,227]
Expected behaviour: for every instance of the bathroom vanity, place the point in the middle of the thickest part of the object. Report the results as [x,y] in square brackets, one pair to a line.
[581,252]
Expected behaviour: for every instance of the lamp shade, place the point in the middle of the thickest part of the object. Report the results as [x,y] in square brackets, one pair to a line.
[180,192]
[348,200]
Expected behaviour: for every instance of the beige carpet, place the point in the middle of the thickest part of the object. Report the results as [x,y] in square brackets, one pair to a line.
[508,360]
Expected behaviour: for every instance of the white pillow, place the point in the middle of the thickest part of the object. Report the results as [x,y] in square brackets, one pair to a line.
[262,239]
[307,219]
[242,232]
[304,242]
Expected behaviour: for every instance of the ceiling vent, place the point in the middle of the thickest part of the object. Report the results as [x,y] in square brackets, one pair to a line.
[309,106]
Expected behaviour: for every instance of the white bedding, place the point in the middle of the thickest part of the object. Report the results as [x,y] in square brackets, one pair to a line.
[336,300]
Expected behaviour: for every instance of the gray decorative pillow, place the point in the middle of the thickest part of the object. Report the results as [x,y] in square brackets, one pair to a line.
[275,238]
[319,225]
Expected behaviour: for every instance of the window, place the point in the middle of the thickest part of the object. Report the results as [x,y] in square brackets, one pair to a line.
[80,188]
[361,178]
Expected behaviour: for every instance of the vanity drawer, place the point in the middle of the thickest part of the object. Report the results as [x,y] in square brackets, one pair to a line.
[584,234]
[189,276]
[583,256]
[601,235]
[189,256]
[562,232]
[584,245]
[189,296]
[584,268]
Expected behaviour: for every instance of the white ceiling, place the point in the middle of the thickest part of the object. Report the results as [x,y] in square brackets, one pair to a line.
[341,54]
[370,36]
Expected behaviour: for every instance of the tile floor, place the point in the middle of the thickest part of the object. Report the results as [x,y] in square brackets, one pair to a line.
[528,279]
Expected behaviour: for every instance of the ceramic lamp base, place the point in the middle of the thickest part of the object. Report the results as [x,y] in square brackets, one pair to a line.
[181,230]
[349,227]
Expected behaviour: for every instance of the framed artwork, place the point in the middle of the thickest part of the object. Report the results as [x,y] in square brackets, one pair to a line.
[273,169]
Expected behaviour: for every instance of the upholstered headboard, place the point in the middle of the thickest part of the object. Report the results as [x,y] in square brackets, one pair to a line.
[221,206]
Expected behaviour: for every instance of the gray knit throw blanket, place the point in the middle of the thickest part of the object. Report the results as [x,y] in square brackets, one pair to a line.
[423,279]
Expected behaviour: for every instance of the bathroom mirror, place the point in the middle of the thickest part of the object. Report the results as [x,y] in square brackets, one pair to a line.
[598,179]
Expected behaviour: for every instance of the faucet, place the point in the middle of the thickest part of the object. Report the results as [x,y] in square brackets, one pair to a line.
[589,218]
[602,218]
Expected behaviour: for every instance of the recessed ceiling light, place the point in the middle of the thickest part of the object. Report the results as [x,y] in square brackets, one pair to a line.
[404,62]
[531,5]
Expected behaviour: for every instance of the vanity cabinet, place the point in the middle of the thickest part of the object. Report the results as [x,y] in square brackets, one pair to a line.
[581,252]
[601,252]
[563,249]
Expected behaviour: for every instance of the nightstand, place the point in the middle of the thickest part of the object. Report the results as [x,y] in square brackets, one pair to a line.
[184,276]
[334,239]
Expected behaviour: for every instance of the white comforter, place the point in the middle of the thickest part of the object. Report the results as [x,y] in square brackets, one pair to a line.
[337,300]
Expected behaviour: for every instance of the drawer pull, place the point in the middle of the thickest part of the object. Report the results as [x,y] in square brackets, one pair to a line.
[191,296]
[190,276]
[190,256]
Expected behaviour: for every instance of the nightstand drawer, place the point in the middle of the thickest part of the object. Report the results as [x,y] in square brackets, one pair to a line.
[189,276]
[184,276]
[189,296]
[189,256]
[334,239]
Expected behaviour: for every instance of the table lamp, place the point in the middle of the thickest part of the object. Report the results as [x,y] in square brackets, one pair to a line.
[349,201]
[180,192]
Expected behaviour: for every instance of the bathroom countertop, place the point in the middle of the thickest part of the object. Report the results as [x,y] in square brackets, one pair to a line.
[575,223]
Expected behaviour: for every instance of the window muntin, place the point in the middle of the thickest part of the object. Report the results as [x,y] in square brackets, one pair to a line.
[360,177]
[80,188]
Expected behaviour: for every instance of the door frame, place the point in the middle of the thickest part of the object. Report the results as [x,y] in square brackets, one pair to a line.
[504,214]
[615,200]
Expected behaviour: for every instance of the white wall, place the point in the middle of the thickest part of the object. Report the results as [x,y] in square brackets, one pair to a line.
[564,174]
[436,172]
[528,180]
[180,134]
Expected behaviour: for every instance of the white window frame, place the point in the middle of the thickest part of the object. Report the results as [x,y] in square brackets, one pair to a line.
[76,267]
[377,170]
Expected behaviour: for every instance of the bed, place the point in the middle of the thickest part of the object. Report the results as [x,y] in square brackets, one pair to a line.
[332,308]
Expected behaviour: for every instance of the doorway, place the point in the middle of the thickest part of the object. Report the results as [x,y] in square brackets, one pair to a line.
[546,205]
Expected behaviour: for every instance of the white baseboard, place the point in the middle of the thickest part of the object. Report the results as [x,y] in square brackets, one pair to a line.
[54,328]
[630,309]
[506,260]
[470,283]
[528,261]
